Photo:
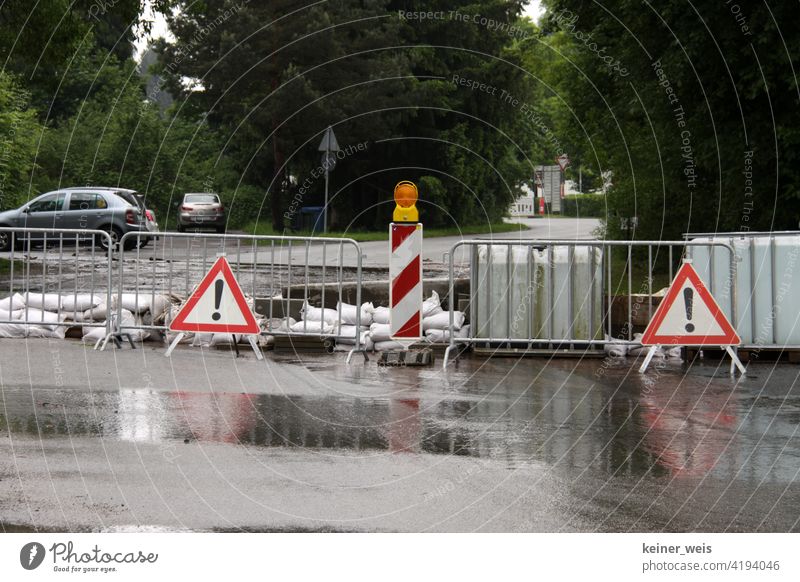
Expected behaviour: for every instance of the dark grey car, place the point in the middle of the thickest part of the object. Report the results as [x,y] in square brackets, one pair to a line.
[75,208]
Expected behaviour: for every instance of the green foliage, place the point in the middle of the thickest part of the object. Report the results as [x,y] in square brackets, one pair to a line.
[19,132]
[273,83]
[584,205]
[697,94]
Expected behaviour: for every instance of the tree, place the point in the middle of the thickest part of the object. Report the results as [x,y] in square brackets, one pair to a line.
[272,76]
[56,46]
[692,110]
[19,133]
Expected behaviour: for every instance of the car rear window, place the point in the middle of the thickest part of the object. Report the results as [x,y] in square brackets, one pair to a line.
[86,201]
[201,198]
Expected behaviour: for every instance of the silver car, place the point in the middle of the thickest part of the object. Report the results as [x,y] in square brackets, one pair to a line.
[201,210]
[74,208]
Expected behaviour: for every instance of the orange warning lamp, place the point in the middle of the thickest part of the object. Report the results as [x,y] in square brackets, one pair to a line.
[405,195]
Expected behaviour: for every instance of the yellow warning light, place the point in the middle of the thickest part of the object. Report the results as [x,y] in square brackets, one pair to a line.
[405,195]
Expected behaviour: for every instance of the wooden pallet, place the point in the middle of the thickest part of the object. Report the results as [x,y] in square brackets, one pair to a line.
[305,344]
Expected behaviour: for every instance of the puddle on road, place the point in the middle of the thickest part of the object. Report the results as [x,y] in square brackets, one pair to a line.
[557,414]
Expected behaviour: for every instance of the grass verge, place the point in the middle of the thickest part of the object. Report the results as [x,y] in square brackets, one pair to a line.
[265,229]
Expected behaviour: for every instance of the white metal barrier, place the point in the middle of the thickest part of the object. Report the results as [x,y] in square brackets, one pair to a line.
[277,270]
[559,294]
[57,276]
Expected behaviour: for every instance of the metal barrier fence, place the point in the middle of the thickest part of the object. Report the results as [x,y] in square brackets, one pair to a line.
[276,271]
[767,283]
[580,281]
[55,288]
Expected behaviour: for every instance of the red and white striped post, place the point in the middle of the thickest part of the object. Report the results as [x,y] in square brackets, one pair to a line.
[405,265]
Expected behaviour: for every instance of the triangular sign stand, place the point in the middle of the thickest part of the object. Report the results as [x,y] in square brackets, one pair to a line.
[690,316]
[217,305]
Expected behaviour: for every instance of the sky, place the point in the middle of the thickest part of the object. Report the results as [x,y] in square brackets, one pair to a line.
[533,9]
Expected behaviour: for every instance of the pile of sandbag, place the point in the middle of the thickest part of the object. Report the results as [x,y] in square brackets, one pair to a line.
[55,315]
[374,330]
[622,349]
[435,325]
[345,322]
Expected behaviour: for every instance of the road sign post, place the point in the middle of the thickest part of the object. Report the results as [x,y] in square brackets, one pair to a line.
[690,316]
[217,305]
[329,146]
[405,265]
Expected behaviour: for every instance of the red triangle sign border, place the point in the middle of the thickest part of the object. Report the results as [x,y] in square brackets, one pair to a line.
[651,336]
[249,327]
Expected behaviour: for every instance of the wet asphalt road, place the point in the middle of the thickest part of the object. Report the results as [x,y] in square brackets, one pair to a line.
[128,440]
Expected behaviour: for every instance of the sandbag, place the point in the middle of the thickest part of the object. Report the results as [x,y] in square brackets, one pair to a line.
[41,318]
[124,325]
[22,330]
[346,334]
[309,313]
[99,313]
[616,350]
[380,332]
[156,304]
[319,327]
[279,324]
[384,346]
[93,334]
[431,306]
[46,301]
[12,303]
[436,336]
[441,320]
[71,302]
[79,302]
[381,315]
[10,315]
[348,313]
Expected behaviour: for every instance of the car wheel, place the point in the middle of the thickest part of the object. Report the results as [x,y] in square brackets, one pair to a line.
[220,229]
[114,233]
[180,228]
[143,241]
[5,241]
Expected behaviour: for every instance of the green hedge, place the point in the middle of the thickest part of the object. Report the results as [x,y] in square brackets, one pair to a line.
[584,205]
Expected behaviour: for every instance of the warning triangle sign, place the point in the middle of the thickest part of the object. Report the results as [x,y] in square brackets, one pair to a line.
[689,316]
[217,305]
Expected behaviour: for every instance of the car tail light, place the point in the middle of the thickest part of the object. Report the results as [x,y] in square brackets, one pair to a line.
[149,214]
[130,216]
[220,209]
[186,208]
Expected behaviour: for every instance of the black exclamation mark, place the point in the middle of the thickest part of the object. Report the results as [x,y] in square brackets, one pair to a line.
[218,286]
[688,297]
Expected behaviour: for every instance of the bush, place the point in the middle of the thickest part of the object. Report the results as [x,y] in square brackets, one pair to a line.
[584,205]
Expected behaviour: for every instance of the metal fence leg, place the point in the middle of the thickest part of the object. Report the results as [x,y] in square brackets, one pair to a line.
[735,361]
[254,344]
[647,359]
[174,343]
[447,355]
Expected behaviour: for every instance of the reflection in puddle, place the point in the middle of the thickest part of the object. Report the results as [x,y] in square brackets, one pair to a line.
[688,433]
[669,431]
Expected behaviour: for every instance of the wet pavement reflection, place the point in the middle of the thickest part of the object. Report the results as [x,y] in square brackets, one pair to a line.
[565,414]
